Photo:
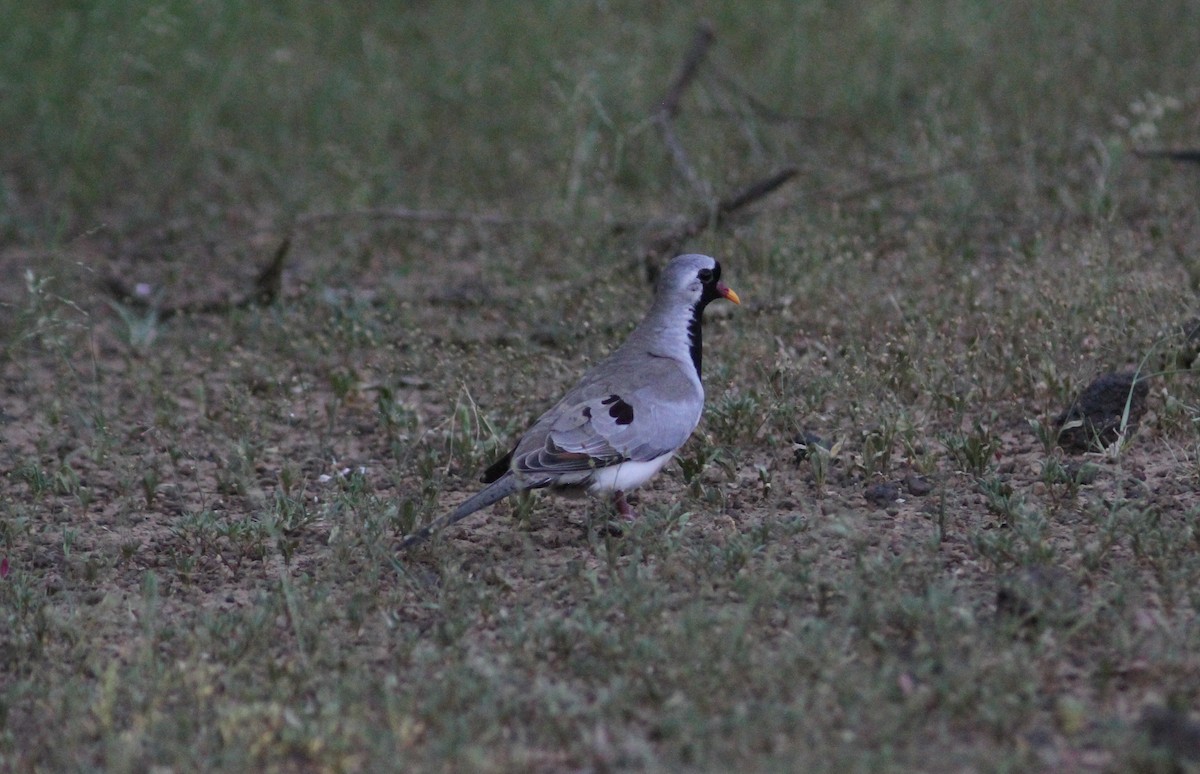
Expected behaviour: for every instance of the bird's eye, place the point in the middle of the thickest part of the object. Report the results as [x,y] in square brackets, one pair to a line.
[705,276]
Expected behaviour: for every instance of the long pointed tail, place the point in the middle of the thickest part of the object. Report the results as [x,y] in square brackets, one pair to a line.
[494,492]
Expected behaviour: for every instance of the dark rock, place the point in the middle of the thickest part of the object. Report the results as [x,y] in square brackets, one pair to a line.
[882,494]
[1173,731]
[918,486]
[1093,421]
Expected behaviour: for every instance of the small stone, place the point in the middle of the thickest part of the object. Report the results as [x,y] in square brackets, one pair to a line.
[882,494]
[917,486]
[1173,731]
[1094,420]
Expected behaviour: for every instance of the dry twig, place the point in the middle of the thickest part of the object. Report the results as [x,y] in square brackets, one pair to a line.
[421,216]
[669,108]
[267,290]
[670,241]
[714,214]
[1191,155]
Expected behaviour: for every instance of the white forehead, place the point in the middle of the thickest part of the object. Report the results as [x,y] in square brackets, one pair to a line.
[683,269]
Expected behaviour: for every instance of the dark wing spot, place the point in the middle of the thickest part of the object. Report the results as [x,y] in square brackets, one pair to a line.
[587,412]
[618,409]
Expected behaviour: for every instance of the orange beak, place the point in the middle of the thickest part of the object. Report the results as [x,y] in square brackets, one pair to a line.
[727,292]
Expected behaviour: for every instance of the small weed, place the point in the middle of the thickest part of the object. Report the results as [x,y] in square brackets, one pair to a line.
[47,320]
[68,541]
[150,484]
[406,518]
[399,421]
[765,480]
[472,440]
[289,479]
[698,456]
[287,519]
[877,446]
[821,460]
[35,477]
[184,563]
[733,418]
[1064,480]
[974,452]
[129,549]
[1000,498]
[139,329]
[523,504]
[342,383]
[24,613]
[1046,433]
[1023,536]
[245,539]
[14,525]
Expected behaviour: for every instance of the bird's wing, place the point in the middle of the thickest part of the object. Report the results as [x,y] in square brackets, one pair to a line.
[629,408]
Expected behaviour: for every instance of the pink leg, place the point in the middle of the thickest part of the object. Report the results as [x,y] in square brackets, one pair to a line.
[625,509]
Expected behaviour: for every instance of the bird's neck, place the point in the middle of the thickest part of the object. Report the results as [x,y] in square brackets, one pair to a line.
[696,337]
[673,332]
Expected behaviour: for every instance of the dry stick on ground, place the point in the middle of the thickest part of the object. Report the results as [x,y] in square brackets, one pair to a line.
[1185,154]
[664,243]
[903,181]
[669,107]
[664,117]
[761,109]
[268,286]
[420,216]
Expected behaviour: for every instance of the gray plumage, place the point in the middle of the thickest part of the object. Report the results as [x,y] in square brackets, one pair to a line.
[627,416]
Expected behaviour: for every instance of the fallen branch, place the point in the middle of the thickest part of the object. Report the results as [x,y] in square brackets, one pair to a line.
[670,241]
[1187,154]
[701,42]
[268,285]
[717,211]
[668,108]
[421,216]
[903,181]
[267,290]
[761,109]
[754,191]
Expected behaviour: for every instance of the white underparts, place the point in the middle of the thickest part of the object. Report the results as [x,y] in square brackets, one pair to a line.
[628,475]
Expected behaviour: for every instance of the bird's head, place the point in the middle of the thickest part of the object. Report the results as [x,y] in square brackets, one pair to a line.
[695,279]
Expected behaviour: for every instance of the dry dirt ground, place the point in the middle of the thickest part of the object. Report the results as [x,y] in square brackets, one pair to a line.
[217,496]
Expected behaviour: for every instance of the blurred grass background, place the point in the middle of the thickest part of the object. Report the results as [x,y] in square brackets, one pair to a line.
[129,114]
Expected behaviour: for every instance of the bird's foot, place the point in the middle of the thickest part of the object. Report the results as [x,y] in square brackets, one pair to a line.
[623,507]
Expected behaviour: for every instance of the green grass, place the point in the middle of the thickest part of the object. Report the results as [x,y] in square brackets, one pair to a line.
[199,513]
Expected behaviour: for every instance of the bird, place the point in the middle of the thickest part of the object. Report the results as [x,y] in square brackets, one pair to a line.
[628,414]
